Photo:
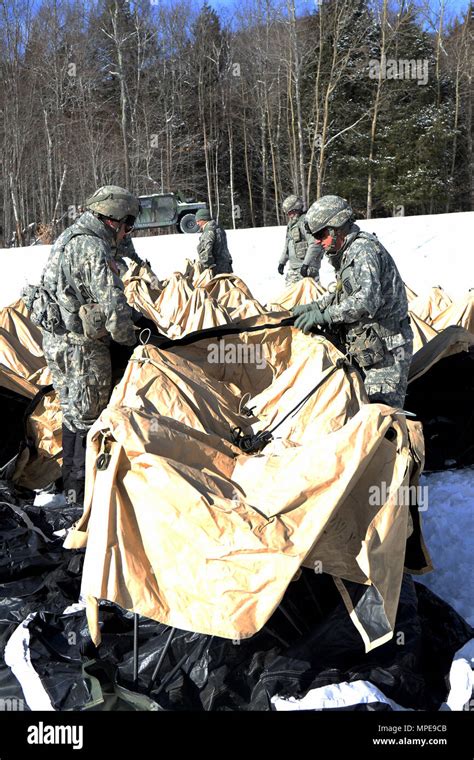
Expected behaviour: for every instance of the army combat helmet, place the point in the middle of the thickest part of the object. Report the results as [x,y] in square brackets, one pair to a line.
[330,211]
[114,202]
[292,203]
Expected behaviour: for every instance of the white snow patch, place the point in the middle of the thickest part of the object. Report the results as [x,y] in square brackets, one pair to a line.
[448,531]
[46,499]
[428,250]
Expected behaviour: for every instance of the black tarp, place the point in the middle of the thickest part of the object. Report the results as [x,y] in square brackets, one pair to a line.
[308,642]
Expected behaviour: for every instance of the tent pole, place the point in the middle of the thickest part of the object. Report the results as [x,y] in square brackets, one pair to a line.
[135,650]
[162,656]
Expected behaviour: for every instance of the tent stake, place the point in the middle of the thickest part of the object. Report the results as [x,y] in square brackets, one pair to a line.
[135,650]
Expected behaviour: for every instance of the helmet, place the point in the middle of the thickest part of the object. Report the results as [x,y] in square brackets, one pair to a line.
[113,202]
[329,211]
[203,215]
[292,203]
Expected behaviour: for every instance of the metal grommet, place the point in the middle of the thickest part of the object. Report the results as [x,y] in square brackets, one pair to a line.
[391,434]
[103,461]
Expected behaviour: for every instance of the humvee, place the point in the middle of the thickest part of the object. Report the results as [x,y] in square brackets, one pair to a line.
[168,210]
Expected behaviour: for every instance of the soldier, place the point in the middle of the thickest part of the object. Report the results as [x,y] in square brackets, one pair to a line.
[369,303]
[212,248]
[300,250]
[82,278]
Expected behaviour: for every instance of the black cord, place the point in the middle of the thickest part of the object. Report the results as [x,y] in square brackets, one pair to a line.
[253,443]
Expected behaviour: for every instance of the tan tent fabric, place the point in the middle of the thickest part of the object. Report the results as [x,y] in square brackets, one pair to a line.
[223,283]
[422,331]
[302,292]
[21,355]
[142,288]
[460,313]
[23,370]
[44,428]
[428,306]
[203,278]
[183,528]
[238,305]
[177,307]
[411,295]
[450,341]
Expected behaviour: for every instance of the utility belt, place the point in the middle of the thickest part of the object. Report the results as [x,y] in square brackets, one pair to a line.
[366,344]
[54,317]
[47,313]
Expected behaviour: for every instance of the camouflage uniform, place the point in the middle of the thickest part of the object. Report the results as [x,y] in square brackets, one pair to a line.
[80,366]
[370,304]
[300,249]
[126,250]
[212,249]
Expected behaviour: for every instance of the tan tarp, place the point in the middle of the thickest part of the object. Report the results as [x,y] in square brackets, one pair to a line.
[302,292]
[23,370]
[22,364]
[183,528]
[460,312]
[429,305]
[451,341]
[422,331]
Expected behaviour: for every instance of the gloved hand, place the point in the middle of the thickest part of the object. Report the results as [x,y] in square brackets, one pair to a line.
[297,310]
[304,270]
[281,268]
[312,318]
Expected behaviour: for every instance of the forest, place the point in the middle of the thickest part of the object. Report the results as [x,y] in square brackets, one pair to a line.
[238,106]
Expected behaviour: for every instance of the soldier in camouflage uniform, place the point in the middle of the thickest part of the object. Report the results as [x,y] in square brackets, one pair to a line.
[212,247]
[369,303]
[300,250]
[81,270]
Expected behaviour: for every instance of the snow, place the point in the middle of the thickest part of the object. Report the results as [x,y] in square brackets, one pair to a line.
[428,250]
[448,525]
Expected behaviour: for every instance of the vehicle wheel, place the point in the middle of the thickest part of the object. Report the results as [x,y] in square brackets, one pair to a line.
[188,223]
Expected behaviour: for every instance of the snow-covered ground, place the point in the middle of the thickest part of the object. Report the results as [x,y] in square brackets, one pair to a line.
[448,529]
[429,250]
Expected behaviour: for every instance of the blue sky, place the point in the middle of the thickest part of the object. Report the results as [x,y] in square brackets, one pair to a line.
[452,7]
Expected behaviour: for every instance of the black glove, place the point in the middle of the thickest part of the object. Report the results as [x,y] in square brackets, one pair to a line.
[281,268]
[312,318]
[304,270]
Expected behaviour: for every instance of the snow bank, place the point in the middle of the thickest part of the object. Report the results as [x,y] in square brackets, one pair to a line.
[429,250]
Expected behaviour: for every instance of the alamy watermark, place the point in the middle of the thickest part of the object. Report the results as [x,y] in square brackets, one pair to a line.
[405,495]
[236,353]
[42,733]
[399,68]
[12,704]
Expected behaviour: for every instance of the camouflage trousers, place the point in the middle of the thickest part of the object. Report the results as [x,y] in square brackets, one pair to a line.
[386,382]
[223,266]
[294,275]
[82,376]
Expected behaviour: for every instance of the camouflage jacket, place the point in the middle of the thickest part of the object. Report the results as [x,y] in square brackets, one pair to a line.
[85,251]
[126,249]
[369,290]
[212,248]
[300,247]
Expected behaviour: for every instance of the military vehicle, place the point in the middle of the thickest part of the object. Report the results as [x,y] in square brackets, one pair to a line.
[168,210]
